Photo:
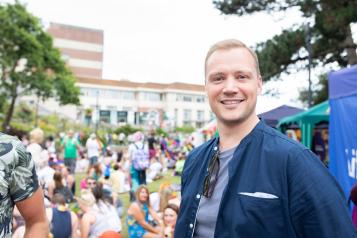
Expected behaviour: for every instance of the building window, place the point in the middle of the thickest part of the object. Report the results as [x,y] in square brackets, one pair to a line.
[122,116]
[187,115]
[127,95]
[200,116]
[178,97]
[187,98]
[141,118]
[200,99]
[104,116]
[150,96]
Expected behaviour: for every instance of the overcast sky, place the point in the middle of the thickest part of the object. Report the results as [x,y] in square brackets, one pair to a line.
[166,40]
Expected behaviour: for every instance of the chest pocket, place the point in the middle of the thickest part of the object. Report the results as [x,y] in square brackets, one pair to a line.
[260,217]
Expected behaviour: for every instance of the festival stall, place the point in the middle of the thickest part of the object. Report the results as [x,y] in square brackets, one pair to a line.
[343,126]
[273,116]
[306,122]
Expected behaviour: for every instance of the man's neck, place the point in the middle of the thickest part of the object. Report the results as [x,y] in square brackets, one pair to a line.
[231,135]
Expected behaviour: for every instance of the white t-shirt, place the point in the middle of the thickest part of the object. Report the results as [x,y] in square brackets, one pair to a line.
[154,169]
[155,201]
[93,147]
[35,150]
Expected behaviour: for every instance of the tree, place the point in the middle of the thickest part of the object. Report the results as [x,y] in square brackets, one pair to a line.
[29,63]
[319,91]
[329,32]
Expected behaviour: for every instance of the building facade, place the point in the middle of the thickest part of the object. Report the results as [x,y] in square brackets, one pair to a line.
[147,105]
[142,104]
[82,48]
[120,102]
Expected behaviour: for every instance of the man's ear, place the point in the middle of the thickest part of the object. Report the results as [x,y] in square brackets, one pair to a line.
[260,85]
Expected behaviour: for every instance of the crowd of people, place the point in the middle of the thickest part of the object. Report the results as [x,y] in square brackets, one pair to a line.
[250,181]
[109,171]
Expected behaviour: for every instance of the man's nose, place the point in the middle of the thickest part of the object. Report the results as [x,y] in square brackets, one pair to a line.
[231,85]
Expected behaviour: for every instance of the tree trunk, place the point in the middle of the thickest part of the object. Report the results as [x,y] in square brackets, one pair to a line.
[350,47]
[10,111]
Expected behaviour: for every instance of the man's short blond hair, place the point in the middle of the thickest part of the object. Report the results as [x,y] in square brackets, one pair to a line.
[231,44]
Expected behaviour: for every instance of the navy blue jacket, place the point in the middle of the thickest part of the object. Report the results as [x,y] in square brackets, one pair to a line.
[307,201]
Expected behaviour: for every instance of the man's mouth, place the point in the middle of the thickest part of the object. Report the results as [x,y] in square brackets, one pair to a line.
[231,101]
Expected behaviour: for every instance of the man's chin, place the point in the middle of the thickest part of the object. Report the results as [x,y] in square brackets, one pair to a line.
[232,121]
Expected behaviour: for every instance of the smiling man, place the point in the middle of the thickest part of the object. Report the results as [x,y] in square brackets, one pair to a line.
[252,181]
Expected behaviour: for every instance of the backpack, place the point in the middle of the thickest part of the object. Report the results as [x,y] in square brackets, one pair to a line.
[140,158]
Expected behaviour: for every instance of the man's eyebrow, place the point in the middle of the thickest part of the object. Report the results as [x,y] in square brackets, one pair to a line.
[243,72]
[216,73]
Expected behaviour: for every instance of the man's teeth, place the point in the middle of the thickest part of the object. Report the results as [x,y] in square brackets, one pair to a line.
[231,101]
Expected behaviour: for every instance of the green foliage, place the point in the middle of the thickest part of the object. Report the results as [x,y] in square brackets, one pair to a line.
[282,48]
[319,92]
[20,126]
[329,32]
[127,129]
[30,65]
[160,131]
[185,129]
[24,113]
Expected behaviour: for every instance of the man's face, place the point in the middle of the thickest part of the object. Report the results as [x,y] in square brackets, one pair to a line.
[232,85]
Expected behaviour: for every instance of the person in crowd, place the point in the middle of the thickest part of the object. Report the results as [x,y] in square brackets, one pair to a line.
[88,183]
[99,215]
[138,153]
[169,218]
[51,148]
[68,178]
[117,181]
[93,149]
[138,216]
[154,171]
[58,185]
[251,180]
[95,171]
[63,222]
[160,199]
[19,186]
[71,145]
[151,144]
[45,172]
[24,140]
[179,164]
[35,148]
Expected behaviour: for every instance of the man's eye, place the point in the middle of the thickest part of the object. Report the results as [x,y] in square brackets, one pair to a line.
[217,79]
[241,76]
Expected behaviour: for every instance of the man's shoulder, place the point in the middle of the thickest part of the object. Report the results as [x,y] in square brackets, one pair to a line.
[5,138]
[279,141]
[8,144]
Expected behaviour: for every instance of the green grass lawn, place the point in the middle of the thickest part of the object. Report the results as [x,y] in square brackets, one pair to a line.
[153,187]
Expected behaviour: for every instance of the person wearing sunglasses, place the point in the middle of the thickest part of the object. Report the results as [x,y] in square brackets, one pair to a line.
[251,180]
